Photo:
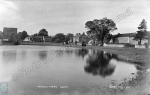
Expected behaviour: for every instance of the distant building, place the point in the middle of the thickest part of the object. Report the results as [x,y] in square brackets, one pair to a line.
[10,34]
[41,39]
[127,38]
[80,38]
[76,37]
[27,39]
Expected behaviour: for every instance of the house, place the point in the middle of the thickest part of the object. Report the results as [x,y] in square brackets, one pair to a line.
[9,34]
[127,38]
[41,39]
[76,37]
[80,38]
[27,39]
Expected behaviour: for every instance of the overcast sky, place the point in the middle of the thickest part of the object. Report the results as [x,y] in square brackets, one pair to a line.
[70,16]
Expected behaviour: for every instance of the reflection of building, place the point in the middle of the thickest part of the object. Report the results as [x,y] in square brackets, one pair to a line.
[80,38]
[10,33]
[9,57]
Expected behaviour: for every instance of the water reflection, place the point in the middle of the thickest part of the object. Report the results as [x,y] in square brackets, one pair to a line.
[42,54]
[8,64]
[72,70]
[9,56]
[81,52]
[98,63]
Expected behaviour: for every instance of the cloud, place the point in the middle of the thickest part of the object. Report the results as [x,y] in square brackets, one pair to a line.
[70,15]
[9,15]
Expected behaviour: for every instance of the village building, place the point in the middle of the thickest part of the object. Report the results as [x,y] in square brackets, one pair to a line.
[27,39]
[40,39]
[9,34]
[81,38]
[127,38]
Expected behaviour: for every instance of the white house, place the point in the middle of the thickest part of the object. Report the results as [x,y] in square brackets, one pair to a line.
[127,38]
[27,39]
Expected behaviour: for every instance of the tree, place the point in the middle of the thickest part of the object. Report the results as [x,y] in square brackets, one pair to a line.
[1,35]
[142,31]
[43,32]
[100,28]
[60,37]
[82,52]
[68,37]
[22,35]
[35,34]
[92,36]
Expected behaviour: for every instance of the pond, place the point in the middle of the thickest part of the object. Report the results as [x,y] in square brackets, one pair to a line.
[53,70]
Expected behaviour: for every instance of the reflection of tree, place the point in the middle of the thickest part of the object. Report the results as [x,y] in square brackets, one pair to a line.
[43,54]
[69,52]
[82,52]
[98,64]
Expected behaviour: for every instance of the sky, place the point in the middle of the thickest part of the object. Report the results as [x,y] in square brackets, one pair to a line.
[70,16]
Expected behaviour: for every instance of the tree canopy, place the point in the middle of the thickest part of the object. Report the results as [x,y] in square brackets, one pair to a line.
[59,37]
[142,31]
[43,32]
[100,28]
[68,37]
[22,35]
[143,25]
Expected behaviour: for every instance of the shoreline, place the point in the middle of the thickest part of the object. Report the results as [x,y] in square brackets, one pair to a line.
[139,56]
[134,54]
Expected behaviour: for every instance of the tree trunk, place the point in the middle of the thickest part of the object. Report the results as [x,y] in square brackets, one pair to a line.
[140,41]
[94,41]
[102,41]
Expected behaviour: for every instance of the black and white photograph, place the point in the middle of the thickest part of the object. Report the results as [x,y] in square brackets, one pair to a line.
[74,47]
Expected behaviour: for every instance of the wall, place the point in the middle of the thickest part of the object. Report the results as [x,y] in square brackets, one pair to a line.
[76,38]
[123,39]
[7,32]
[133,42]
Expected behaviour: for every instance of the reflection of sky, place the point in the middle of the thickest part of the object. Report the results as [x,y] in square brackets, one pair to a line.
[9,57]
[64,70]
[122,70]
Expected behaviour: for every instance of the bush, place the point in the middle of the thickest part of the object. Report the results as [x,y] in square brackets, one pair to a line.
[16,43]
[129,45]
[146,45]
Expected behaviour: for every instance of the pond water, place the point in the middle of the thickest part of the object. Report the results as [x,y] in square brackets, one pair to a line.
[52,70]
